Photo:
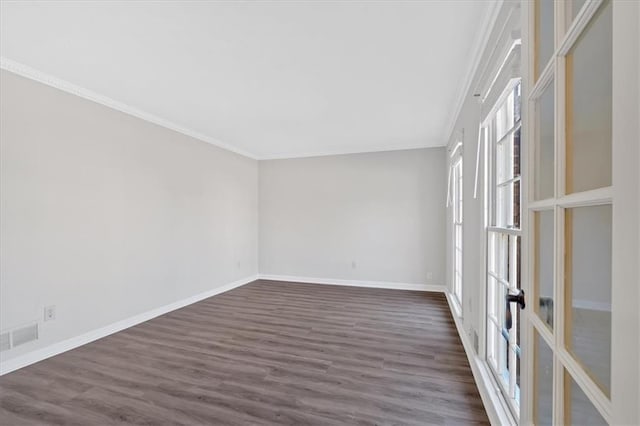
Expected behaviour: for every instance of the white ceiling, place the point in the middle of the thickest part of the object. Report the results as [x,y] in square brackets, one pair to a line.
[271,79]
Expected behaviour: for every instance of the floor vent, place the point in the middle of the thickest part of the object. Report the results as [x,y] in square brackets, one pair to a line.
[17,337]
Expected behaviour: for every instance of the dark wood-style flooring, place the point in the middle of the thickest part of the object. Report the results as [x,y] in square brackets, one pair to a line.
[265,353]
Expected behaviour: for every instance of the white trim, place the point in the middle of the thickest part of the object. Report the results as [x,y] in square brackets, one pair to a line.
[591,305]
[457,146]
[478,48]
[580,22]
[481,142]
[74,342]
[355,283]
[60,84]
[494,404]
[513,50]
[328,152]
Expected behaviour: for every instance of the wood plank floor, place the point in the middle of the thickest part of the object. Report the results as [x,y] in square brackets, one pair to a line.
[265,353]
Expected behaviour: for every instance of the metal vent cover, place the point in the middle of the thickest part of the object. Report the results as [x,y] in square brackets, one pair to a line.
[24,335]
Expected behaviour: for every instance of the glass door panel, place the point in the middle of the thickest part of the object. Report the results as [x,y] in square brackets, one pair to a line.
[588,110]
[543,371]
[579,410]
[544,34]
[588,290]
[544,144]
[543,265]
[570,249]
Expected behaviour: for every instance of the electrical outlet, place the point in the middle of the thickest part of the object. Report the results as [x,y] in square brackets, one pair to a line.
[353,264]
[49,313]
[429,276]
[238,264]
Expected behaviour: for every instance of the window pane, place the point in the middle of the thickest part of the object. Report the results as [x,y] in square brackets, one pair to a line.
[544,33]
[518,378]
[578,408]
[492,261]
[508,158]
[502,204]
[504,170]
[518,258]
[491,296]
[503,257]
[544,145]
[491,344]
[516,153]
[515,207]
[516,103]
[503,362]
[589,88]
[515,310]
[544,254]
[543,370]
[588,289]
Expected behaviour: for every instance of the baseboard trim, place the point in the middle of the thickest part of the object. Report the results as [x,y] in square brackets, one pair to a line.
[354,283]
[74,342]
[497,412]
[591,305]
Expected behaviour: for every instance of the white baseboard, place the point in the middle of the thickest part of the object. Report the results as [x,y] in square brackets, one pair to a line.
[496,409]
[591,305]
[74,342]
[355,283]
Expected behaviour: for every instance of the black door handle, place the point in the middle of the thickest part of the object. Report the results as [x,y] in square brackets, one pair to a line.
[517,298]
[513,298]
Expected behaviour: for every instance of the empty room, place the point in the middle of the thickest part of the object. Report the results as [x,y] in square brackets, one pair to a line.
[320,212]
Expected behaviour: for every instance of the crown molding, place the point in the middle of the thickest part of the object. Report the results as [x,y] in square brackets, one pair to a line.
[33,74]
[478,48]
[60,84]
[329,152]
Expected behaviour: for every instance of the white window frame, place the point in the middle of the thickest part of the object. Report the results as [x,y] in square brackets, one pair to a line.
[495,309]
[457,217]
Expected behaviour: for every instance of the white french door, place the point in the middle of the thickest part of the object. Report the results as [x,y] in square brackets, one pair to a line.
[577,274]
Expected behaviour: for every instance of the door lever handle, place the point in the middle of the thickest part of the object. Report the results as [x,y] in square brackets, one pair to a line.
[513,298]
[516,298]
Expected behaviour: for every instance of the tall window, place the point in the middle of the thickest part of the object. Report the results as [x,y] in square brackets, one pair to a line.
[456,175]
[502,131]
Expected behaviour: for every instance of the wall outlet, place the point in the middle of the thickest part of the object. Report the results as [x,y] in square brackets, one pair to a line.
[50,313]
[238,264]
[429,276]
[353,264]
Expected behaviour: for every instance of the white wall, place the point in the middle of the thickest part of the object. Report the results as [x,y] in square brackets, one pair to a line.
[384,211]
[107,216]
[472,226]
[467,127]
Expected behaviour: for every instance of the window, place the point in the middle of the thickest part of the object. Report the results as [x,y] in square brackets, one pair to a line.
[456,199]
[502,131]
